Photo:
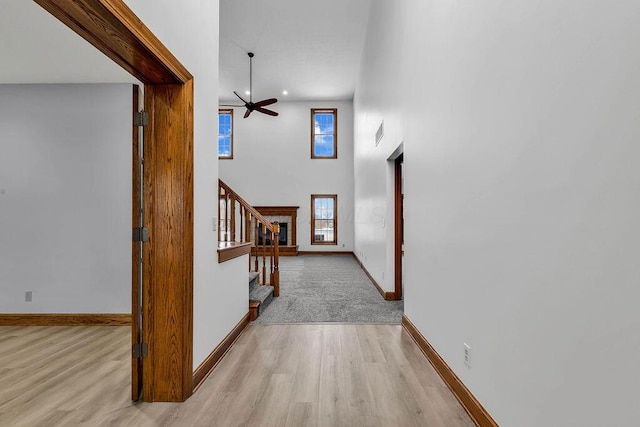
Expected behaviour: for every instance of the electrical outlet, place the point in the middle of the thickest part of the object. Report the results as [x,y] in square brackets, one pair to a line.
[28,296]
[467,354]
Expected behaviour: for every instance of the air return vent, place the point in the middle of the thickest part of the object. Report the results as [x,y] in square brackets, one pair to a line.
[380,133]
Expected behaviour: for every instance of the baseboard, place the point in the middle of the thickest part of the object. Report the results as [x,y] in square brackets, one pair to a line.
[206,367]
[65,319]
[388,296]
[325,252]
[468,401]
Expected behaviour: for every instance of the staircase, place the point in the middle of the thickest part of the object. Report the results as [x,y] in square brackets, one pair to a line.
[243,230]
[260,296]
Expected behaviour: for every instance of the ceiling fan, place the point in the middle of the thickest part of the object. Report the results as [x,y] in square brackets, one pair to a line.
[253,106]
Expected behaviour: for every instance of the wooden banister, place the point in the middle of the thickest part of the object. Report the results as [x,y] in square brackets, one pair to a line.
[236,218]
[246,205]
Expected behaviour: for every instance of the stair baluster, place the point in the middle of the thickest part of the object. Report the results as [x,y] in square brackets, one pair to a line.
[232,220]
[219,213]
[255,244]
[241,223]
[270,256]
[264,248]
[247,226]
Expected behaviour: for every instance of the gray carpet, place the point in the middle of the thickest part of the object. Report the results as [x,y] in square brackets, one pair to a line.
[328,288]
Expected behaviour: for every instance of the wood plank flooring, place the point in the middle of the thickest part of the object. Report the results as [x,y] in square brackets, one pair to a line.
[275,375]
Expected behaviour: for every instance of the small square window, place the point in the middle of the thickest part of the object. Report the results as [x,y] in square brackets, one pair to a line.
[225,134]
[324,134]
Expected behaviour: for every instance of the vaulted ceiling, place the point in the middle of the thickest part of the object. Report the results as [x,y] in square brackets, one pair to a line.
[312,49]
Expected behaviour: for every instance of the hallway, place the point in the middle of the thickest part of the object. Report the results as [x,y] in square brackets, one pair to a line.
[275,375]
[328,288]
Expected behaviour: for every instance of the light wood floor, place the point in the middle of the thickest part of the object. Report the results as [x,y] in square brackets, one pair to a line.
[275,375]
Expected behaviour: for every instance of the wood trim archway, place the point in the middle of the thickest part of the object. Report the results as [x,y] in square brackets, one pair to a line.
[398,232]
[115,30]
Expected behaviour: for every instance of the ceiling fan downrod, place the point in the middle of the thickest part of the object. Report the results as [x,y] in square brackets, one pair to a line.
[250,76]
[250,105]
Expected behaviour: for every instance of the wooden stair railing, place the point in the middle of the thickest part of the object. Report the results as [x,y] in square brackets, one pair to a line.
[238,221]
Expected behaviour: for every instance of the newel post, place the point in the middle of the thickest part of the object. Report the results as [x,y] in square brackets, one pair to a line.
[276,254]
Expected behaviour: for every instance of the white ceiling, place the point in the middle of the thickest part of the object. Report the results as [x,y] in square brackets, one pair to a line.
[312,49]
[37,48]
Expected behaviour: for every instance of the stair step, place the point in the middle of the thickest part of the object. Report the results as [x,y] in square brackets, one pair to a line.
[260,293]
[260,296]
[253,275]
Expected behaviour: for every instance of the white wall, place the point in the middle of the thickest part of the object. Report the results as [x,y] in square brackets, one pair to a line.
[520,129]
[272,166]
[65,198]
[37,48]
[379,97]
[190,30]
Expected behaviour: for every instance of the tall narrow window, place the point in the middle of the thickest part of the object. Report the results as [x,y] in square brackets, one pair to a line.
[225,134]
[324,223]
[324,133]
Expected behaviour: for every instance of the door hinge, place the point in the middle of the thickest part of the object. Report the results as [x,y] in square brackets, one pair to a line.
[140,350]
[141,118]
[140,234]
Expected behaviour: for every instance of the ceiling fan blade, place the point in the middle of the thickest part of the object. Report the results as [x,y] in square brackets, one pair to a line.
[246,114]
[241,99]
[266,111]
[266,102]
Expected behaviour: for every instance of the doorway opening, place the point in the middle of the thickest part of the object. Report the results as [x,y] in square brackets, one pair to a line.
[168,190]
[398,226]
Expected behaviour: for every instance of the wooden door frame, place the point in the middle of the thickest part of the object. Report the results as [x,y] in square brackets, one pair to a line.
[398,226]
[116,31]
[136,364]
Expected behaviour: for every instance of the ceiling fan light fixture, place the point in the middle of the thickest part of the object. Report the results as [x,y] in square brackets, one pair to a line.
[250,105]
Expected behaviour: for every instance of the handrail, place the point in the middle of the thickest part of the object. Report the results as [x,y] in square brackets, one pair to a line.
[246,205]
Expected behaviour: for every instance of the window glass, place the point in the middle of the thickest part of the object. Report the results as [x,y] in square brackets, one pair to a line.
[323,219]
[225,134]
[323,133]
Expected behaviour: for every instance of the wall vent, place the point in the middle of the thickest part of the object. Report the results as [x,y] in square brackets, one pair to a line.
[380,133]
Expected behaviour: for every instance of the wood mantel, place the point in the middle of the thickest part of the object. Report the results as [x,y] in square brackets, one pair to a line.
[278,210]
[292,211]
